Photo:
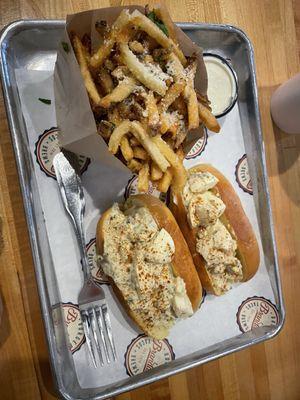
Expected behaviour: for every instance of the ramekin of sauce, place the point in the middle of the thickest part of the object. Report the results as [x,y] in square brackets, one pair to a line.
[222,88]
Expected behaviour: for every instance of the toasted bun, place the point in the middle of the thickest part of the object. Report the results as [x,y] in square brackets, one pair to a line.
[182,263]
[234,218]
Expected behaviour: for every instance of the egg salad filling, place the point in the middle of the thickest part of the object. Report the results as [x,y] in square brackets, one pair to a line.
[137,256]
[216,244]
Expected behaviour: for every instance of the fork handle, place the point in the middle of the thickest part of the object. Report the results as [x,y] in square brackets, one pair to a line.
[78,223]
[73,199]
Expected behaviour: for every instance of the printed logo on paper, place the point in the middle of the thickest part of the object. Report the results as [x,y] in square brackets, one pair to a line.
[255,312]
[96,269]
[198,147]
[47,147]
[242,175]
[131,189]
[145,353]
[74,326]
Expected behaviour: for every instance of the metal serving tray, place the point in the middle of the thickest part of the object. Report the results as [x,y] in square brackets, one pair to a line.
[25,44]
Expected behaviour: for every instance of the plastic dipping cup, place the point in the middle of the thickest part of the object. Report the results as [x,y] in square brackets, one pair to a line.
[222,84]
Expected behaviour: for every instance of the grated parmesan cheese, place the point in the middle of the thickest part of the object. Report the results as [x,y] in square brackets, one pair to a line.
[155,70]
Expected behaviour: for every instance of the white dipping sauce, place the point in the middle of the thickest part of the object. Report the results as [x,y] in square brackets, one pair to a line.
[221,85]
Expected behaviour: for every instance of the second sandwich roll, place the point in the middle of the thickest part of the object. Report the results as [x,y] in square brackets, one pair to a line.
[219,235]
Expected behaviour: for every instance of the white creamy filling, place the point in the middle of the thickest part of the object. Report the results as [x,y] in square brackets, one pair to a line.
[181,303]
[214,242]
[205,209]
[201,182]
[137,256]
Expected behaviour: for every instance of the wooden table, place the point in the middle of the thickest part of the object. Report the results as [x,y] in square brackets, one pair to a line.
[266,371]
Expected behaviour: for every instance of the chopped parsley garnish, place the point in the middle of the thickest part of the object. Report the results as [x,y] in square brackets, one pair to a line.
[158,22]
[45,101]
[65,47]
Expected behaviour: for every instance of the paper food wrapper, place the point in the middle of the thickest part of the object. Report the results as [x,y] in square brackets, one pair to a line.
[78,132]
[250,305]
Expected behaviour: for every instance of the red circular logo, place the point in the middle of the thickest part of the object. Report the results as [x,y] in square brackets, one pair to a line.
[47,147]
[198,147]
[145,353]
[72,320]
[242,175]
[255,312]
[97,272]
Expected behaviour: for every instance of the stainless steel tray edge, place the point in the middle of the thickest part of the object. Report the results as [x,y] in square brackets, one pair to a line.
[165,370]
[14,126]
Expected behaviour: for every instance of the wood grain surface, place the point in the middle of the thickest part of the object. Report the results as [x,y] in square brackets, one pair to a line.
[266,371]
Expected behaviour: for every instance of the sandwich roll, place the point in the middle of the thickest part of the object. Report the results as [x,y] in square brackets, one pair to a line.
[143,252]
[219,235]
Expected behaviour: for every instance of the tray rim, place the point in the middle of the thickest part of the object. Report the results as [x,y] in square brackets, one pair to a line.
[7,33]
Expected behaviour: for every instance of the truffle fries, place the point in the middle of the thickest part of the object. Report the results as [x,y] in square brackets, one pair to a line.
[141,89]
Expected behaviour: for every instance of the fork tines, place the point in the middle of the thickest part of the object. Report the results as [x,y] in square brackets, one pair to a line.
[98,333]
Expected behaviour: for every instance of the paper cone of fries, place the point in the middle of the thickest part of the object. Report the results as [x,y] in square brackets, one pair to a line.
[78,111]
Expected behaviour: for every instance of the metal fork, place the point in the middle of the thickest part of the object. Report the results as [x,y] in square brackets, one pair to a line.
[91,300]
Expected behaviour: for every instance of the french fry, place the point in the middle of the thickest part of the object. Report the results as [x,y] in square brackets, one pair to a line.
[134,165]
[109,65]
[105,128]
[145,24]
[133,141]
[104,50]
[141,72]
[143,179]
[114,116]
[189,92]
[203,99]
[208,118]
[126,149]
[180,105]
[164,183]
[191,97]
[192,107]
[165,123]
[115,139]
[86,42]
[191,70]
[152,111]
[180,136]
[105,81]
[180,153]
[139,153]
[141,87]
[138,131]
[178,169]
[177,70]
[87,77]
[136,46]
[163,14]
[120,72]
[119,93]
[168,124]
[173,129]
[156,172]
[173,92]
[148,59]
